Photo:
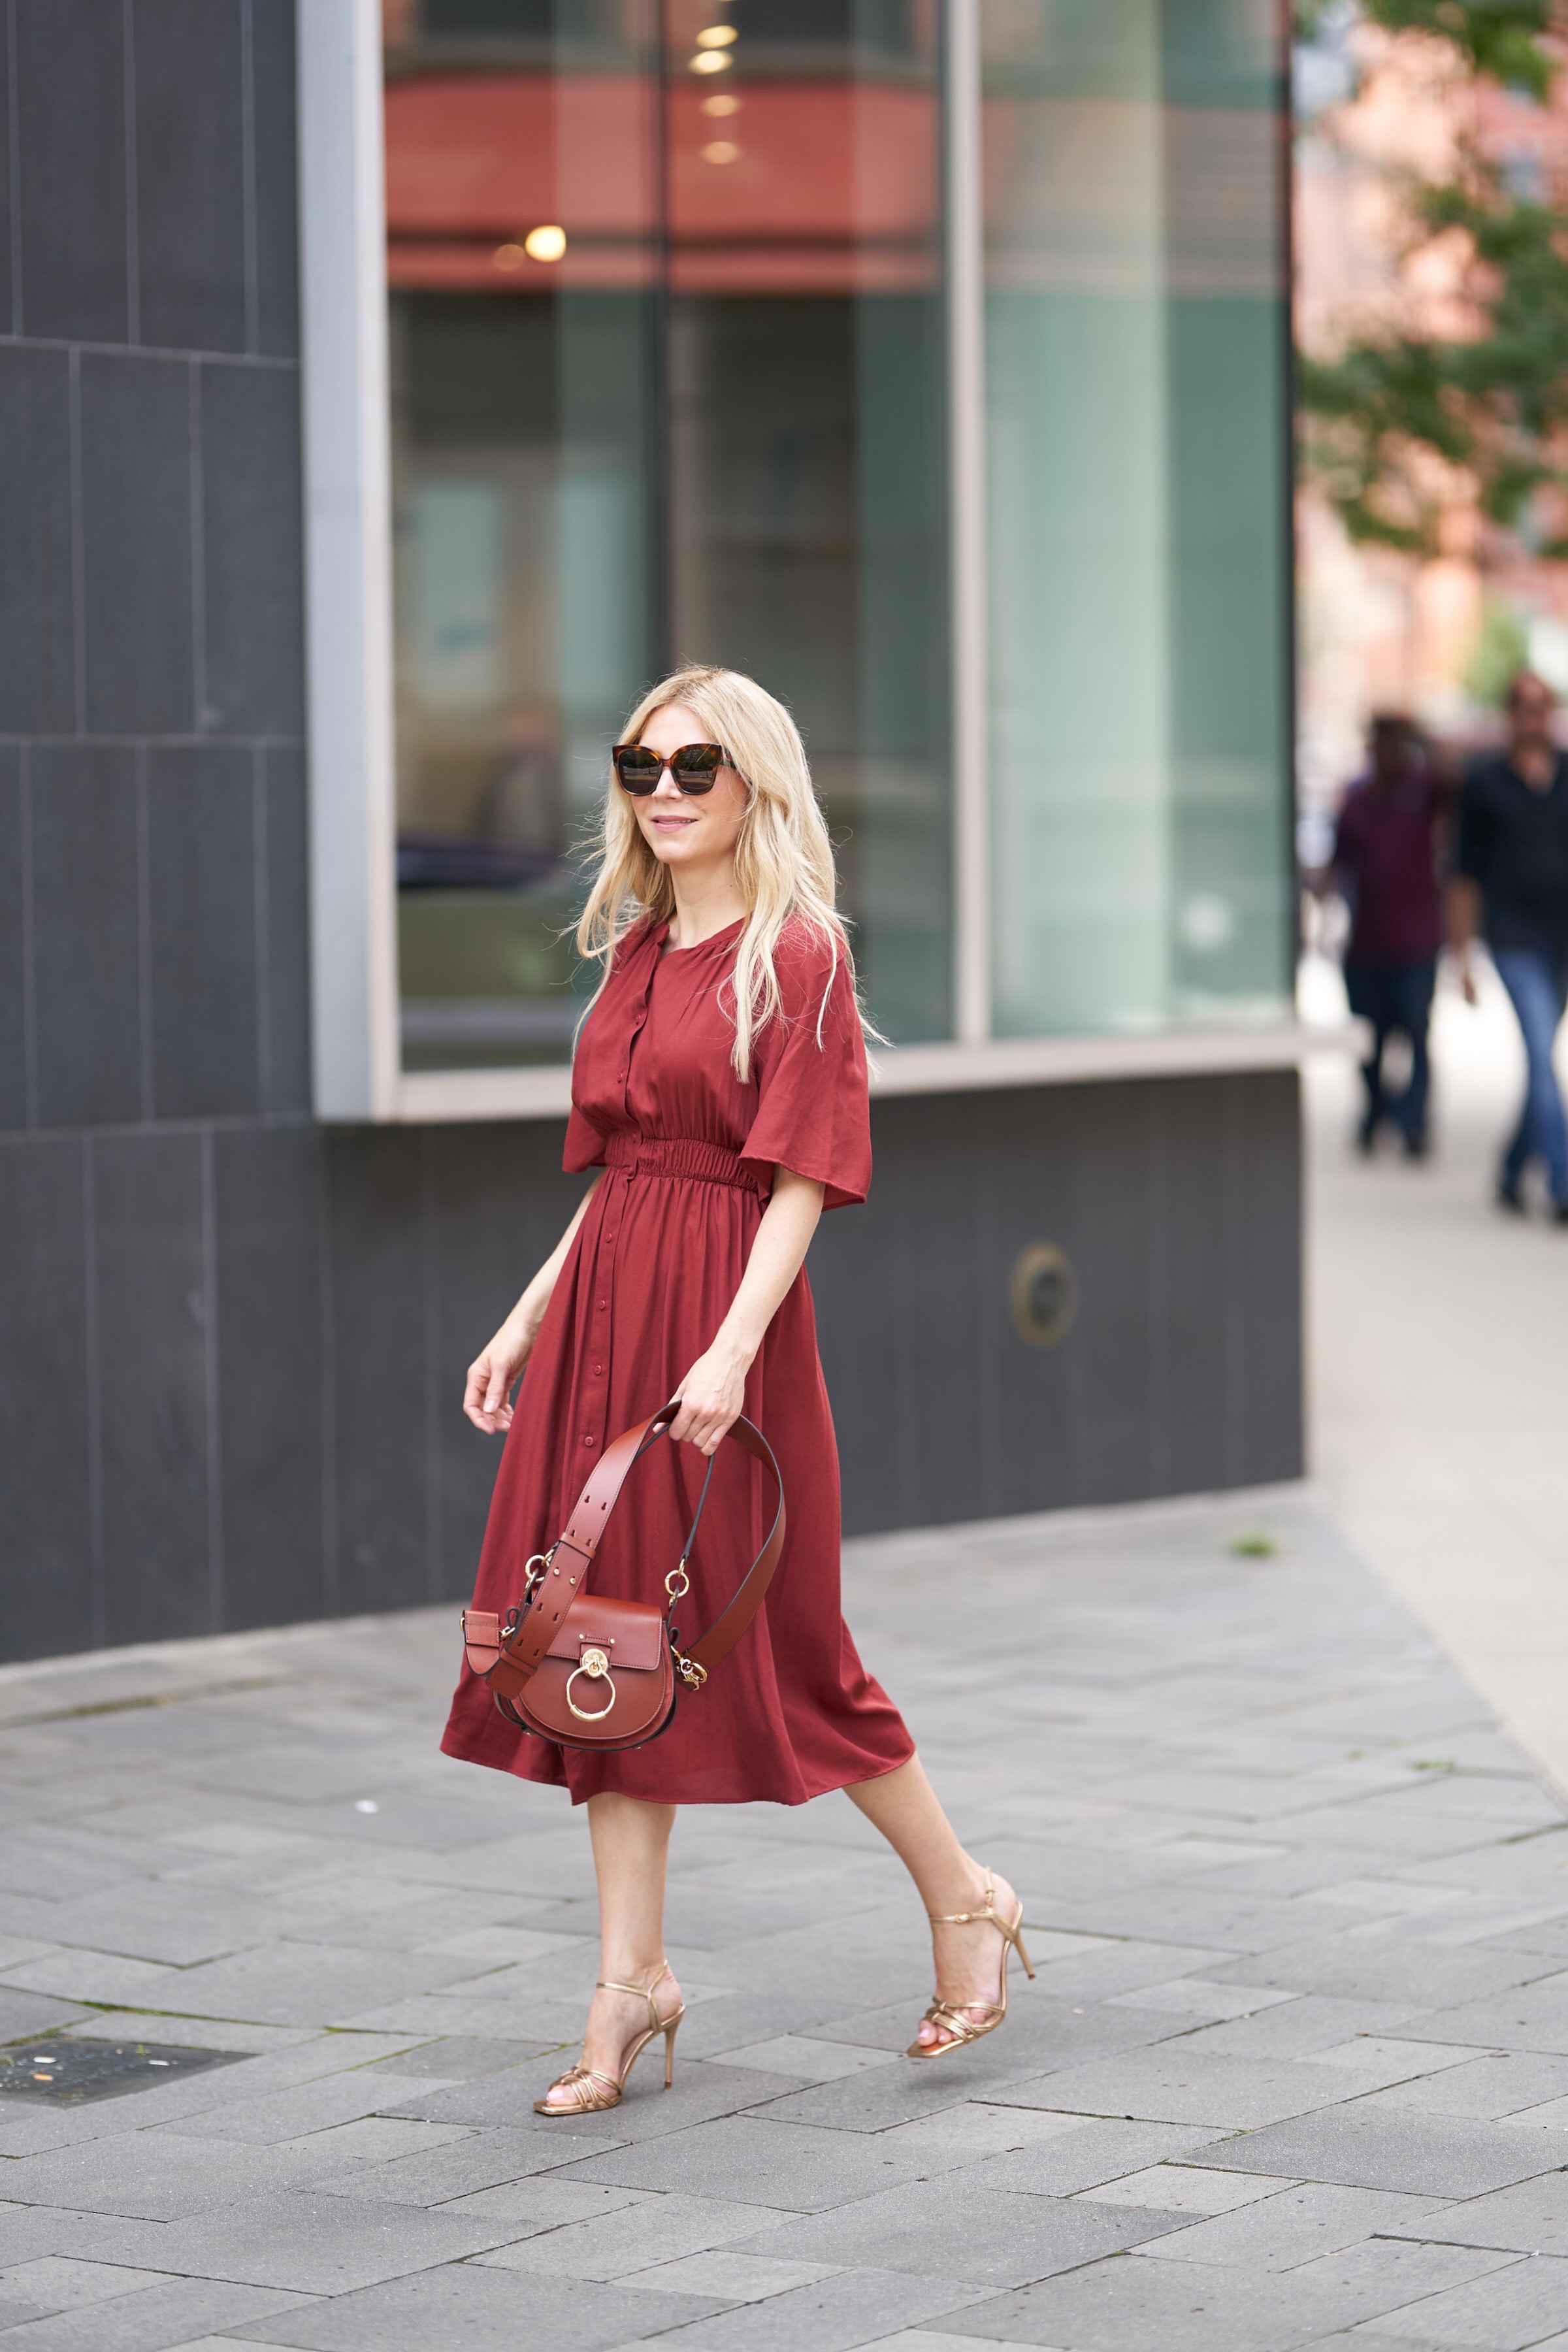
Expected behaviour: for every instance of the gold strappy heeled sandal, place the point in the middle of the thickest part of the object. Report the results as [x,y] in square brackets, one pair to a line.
[590,2089]
[953,2017]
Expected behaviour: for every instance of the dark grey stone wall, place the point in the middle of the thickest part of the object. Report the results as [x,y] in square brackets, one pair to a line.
[231,1342]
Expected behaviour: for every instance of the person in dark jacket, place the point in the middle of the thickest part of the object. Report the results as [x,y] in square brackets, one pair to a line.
[1385,864]
[1513,875]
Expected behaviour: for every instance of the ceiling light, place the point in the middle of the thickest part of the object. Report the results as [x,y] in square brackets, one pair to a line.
[721,151]
[717,37]
[722,102]
[712,61]
[546,243]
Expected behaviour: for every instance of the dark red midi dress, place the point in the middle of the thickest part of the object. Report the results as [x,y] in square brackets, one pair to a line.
[689,1154]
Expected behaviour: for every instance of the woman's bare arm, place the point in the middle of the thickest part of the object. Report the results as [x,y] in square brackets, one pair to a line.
[493,1373]
[714,1389]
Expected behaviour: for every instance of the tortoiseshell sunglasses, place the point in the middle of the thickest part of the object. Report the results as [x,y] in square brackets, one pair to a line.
[695,767]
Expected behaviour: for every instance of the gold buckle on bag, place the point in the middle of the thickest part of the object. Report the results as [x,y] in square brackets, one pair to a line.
[595,1665]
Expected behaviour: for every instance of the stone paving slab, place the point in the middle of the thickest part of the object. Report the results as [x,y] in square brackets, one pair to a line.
[1293,2074]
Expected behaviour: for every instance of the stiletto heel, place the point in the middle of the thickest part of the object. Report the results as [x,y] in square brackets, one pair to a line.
[951,2016]
[590,2090]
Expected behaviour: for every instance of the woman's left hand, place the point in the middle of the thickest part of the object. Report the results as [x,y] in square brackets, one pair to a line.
[712,1393]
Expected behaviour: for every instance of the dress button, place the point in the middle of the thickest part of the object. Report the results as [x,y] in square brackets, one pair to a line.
[587,1441]
[604,1303]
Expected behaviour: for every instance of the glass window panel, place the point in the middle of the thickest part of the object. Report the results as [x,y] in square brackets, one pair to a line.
[522,225]
[1135,346]
[698,418]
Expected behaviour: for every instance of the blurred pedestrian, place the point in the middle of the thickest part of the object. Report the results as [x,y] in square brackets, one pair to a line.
[1385,864]
[1513,873]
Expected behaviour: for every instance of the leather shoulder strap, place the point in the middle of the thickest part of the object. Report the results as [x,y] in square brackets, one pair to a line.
[728,1627]
[573,1557]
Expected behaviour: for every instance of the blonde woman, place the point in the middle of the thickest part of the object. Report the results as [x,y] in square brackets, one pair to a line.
[719,1088]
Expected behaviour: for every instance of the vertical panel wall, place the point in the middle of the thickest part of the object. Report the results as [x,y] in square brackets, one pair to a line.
[232,1341]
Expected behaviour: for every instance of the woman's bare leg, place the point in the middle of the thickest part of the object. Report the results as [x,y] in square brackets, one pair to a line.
[903,1805]
[631,1844]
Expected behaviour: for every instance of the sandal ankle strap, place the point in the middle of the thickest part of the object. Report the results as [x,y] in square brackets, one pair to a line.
[964,1919]
[638,1992]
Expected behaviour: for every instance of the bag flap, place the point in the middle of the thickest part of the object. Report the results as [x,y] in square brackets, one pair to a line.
[630,1632]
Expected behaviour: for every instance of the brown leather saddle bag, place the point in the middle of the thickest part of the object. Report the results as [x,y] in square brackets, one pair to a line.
[599,1674]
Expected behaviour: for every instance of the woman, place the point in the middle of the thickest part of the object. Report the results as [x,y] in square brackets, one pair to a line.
[720,1088]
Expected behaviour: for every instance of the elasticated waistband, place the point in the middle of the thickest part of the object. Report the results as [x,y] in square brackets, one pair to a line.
[679,1155]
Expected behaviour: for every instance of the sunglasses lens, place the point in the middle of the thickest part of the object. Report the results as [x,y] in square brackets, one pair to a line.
[697,766]
[637,769]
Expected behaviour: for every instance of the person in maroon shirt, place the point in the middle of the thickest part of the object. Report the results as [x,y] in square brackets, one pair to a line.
[1385,863]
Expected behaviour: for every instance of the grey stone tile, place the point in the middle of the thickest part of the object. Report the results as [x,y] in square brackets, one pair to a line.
[544,2201]
[138,592]
[795,2167]
[1528,2017]
[1376,2148]
[157,2316]
[46,1595]
[1168,2084]
[287,994]
[1498,2083]
[301,1984]
[1185,2188]
[318,2245]
[1303,2026]
[279,2115]
[634,2237]
[1504,2312]
[729,2277]
[855,2308]
[151,1307]
[486,2311]
[1091,2153]
[1359,1966]
[276,230]
[1398,2273]
[190,176]
[250,442]
[1295,2225]
[86,955]
[265,1185]
[478,2162]
[202,950]
[72,170]
[37,623]
[15,980]
[1531,2217]
[1139,2306]
[956,2229]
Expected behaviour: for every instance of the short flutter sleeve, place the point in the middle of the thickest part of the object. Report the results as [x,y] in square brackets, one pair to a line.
[813,1111]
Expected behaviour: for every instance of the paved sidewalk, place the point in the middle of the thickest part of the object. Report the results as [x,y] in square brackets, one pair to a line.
[1294,2072]
[1440,1380]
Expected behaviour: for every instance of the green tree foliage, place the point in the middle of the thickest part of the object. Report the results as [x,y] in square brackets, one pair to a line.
[1377,413]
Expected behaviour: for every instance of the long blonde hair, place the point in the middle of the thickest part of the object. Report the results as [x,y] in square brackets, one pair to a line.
[783,859]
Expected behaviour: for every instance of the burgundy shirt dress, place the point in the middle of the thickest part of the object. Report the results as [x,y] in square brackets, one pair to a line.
[689,1153]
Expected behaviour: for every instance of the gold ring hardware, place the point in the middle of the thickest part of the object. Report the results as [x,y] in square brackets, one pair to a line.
[596,1666]
[678,1591]
[691,1672]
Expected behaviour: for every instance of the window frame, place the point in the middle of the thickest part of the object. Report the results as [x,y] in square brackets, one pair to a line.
[355,1010]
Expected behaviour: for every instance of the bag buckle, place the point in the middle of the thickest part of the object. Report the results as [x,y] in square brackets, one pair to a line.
[595,1667]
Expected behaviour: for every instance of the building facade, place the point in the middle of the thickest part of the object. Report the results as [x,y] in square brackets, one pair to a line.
[388,394]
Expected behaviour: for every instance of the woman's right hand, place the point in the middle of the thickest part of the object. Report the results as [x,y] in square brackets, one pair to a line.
[493,1373]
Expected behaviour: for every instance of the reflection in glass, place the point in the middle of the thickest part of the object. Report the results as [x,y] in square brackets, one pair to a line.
[667,362]
[1138,512]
